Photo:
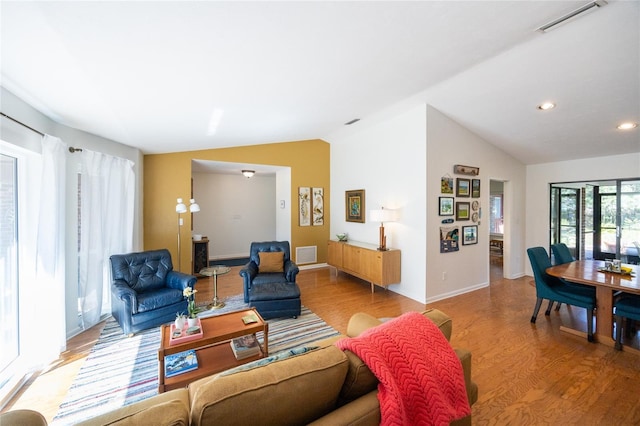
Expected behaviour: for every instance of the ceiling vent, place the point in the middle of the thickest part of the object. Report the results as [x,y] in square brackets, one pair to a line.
[589,7]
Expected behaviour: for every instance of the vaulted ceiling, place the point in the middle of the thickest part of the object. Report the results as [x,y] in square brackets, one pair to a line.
[179,75]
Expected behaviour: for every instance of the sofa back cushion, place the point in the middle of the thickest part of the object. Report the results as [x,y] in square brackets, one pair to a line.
[296,390]
[143,271]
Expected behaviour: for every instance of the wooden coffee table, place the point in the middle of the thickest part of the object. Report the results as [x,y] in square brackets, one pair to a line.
[213,349]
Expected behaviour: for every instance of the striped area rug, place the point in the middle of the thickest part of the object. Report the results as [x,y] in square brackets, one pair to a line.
[120,370]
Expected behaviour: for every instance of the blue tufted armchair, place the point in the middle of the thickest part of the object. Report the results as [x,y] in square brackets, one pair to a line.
[146,291]
[269,280]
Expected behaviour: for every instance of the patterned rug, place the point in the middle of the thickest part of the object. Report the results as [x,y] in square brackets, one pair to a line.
[120,370]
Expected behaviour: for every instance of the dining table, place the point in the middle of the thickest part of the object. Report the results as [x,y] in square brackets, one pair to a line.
[607,283]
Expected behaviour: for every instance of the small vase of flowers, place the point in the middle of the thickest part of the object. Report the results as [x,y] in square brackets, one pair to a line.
[192,310]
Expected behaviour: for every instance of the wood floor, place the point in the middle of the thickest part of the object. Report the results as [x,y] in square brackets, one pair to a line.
[527,374]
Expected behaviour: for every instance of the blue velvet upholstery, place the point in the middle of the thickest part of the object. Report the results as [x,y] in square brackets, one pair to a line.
[561,253]
[626,306]
[556,290]
[273,294]
[145,290]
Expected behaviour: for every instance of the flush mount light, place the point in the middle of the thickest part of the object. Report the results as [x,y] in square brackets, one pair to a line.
[546,105]
[627,126]
[248,173]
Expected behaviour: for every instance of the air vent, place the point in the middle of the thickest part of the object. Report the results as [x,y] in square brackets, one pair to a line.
[308,254]
[580,11]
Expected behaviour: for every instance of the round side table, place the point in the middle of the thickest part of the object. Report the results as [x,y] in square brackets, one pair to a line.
[212,272]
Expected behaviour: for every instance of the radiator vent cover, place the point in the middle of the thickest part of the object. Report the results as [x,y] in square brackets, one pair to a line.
[308,254]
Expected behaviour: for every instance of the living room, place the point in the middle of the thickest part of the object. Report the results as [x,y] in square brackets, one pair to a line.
[398,156]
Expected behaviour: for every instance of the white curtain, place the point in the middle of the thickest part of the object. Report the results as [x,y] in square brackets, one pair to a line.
[46,337]
[106,227]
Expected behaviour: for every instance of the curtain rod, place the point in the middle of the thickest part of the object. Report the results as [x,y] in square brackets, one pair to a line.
[21,123]
[71,149]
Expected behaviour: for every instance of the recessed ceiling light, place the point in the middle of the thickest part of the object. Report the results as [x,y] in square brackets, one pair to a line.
[547,105]
[627,126]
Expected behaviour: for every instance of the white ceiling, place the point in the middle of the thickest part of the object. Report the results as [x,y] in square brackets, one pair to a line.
[179,75]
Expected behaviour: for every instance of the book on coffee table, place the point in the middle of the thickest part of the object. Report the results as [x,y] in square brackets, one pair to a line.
[179,363]
[245,346]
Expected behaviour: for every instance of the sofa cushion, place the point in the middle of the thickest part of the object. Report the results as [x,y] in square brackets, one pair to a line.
[169,408]
[297,390]
[271,261]
[171,413]
[359,381]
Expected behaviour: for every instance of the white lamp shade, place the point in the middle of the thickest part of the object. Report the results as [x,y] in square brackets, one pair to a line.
[383,215]
[180,207]
[194,207]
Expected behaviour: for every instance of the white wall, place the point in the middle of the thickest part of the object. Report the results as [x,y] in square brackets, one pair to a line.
[20,136]
[399,162]
[448,144]
[234,211]
[387,159]
[539,176]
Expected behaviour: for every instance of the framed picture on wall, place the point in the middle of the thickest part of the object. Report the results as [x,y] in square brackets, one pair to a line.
[445,207]
[318,206]
[463,186]
[463,210]
[469,235]
[354,205]
[475,188]
[304,206]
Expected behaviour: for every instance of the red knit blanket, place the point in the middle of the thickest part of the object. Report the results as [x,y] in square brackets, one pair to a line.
[421,378]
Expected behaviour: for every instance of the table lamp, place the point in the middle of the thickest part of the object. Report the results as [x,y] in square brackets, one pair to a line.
[382,216]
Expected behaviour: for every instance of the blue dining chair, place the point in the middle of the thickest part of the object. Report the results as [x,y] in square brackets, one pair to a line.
[626,306]
[556,290]
[561,253]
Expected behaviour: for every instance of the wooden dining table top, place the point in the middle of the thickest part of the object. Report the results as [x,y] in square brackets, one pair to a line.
[588,272]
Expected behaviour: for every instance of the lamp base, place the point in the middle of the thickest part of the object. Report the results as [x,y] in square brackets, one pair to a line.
[382,249]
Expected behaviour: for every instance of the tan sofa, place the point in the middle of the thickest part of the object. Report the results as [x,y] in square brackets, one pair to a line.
[321,387]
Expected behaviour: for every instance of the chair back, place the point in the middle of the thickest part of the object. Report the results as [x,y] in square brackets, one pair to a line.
[269,246]
[142,271]
[561,253]
[539,263]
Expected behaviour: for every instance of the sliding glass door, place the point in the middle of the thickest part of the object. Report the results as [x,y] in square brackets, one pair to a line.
[597,220]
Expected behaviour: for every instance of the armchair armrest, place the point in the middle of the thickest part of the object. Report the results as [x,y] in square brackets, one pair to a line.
[180,280]
[290,270]
[120,290]
[249,272]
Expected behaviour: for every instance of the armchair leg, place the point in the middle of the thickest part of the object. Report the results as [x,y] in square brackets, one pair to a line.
[536,309]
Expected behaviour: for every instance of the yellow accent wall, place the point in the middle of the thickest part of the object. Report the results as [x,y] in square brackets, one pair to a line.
[168,177]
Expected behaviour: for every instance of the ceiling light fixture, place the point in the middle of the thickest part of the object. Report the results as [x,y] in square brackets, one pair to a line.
[546,105]
[248,173]
[594,5]
[627,126]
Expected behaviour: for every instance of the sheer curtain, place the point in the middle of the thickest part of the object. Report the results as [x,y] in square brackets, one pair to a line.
[106,228]
[46,335]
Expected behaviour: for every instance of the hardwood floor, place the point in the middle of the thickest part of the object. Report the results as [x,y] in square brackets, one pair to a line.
[527,374]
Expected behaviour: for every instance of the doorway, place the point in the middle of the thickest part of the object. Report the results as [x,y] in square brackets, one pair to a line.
[496,229]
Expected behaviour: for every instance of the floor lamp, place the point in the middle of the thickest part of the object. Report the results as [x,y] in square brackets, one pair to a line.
[182,208]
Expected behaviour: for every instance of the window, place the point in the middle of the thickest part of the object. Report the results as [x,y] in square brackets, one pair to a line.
[496,224]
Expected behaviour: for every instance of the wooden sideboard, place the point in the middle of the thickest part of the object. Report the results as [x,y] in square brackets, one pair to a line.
[365,261]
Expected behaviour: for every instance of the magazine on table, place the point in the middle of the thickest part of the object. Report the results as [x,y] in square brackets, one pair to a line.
[180,363]
[245,346]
